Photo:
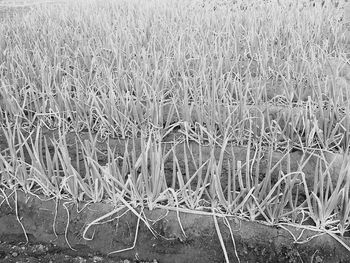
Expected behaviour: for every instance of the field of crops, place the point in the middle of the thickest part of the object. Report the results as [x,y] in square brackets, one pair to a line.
[203,107]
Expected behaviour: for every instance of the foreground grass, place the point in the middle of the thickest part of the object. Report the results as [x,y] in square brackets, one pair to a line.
[266,77]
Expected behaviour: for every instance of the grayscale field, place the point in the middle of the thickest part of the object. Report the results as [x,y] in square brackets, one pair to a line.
[174,131]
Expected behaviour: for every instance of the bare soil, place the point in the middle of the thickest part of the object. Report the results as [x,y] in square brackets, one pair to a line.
[51,232]
[14,250]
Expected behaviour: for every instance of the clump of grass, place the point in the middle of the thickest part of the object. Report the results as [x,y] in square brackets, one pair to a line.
[263,76]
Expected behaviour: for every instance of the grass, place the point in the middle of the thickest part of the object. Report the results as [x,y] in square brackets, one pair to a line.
[266,77]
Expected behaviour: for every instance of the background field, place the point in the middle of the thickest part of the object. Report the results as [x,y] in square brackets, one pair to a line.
[203,106]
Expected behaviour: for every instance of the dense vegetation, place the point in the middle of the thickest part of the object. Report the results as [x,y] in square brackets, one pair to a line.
[236,100]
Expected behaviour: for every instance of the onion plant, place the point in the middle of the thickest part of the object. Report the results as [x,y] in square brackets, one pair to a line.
[208,101]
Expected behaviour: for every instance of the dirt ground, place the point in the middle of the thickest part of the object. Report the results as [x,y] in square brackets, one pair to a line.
[168,238]
[14,250]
